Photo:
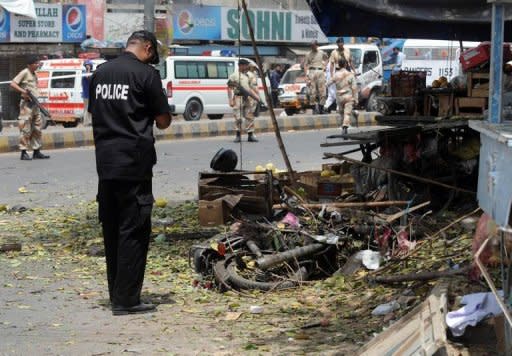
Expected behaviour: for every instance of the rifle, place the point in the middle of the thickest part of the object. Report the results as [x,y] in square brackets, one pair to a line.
[244,92]
[36,102]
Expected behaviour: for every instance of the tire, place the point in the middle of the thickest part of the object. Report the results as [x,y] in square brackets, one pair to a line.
[70,124]
[290,112]
[215,116]
[193,110]
[371,103]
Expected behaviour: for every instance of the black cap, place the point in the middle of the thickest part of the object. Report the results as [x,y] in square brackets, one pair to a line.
[243,61]
[31,59]
[147,36]
[340,40]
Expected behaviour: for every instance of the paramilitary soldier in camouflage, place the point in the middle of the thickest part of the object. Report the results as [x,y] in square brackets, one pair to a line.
[242,98]
[29,121]
[314,66]
[339,53]
[346,92]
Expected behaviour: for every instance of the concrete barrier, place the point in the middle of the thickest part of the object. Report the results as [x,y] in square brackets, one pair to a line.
[80,137]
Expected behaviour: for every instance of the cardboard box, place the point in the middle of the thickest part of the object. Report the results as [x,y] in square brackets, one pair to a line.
[213,213]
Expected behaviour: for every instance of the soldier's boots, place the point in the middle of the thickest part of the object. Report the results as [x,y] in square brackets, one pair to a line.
[237,137]
[25,156]
[344,132]
[251,137]
[39,155]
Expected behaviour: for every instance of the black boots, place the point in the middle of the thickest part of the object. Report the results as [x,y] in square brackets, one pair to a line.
[25,156]
[237,137]
[344,132]
[140,308]
[38,155]
[251,137]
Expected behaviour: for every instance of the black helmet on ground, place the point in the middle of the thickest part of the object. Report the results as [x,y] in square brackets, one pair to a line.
[225,160]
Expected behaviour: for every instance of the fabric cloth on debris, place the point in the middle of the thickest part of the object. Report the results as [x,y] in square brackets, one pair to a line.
[477,307]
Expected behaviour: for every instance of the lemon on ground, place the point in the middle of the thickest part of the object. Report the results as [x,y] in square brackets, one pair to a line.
[161,202]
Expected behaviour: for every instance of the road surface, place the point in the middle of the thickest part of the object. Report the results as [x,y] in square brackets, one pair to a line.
[70,175]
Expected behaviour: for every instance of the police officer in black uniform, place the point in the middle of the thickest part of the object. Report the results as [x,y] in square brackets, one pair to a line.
[125,99]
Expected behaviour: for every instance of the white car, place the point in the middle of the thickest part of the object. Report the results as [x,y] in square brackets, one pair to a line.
[197,85]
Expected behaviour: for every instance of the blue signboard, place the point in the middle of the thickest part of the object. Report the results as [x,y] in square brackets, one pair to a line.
[5,25]
[73,23]
[197,23]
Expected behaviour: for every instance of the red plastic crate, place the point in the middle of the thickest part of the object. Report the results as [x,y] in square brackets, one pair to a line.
[480,55]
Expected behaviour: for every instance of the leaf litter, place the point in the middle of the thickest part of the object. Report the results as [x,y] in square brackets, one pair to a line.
[340,305]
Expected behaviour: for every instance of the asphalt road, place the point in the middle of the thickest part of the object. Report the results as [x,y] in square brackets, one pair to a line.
[69,177]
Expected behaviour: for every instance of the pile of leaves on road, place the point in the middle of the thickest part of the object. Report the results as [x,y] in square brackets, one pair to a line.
[340,305]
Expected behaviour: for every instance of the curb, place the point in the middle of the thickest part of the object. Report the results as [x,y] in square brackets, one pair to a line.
[182,130]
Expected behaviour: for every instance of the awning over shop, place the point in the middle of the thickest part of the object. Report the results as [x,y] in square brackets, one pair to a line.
[197,50]
[299,51]
[433,19]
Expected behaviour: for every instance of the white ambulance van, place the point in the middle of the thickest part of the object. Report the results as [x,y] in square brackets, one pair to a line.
[60,89]
[196,85]
[437,58]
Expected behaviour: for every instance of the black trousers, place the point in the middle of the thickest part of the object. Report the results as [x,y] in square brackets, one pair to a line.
[125,213]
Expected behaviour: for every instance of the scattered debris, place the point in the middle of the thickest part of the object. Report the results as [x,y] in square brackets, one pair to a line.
[7,247]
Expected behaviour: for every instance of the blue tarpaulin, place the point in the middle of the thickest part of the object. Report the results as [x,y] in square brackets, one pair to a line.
[431,19]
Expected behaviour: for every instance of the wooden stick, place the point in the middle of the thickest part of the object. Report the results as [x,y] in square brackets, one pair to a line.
[268,98]
[393,217]
[419,276]
[389,170]
[363,204]
[10,247]
[489,281]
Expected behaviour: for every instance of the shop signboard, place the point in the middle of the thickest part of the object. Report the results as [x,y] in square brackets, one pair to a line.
[271,26]
[197,23]
[54,23]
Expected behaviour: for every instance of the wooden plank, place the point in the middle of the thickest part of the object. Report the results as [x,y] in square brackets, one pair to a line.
[421,332]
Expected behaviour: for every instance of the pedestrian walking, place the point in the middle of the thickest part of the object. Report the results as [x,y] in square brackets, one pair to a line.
[400,57]
[346,92]
[275,80]
[125,100]
[86,79]
[29,119]
[314,67]
[242,96]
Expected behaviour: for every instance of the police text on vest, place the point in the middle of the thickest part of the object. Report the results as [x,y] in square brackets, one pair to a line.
[112,91]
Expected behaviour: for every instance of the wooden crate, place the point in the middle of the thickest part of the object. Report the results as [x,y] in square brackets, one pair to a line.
[255,187]
[470,106]
[478,85]
[407,83]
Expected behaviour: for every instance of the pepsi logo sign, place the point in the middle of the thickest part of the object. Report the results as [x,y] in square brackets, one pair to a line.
[74,20]
[3,19]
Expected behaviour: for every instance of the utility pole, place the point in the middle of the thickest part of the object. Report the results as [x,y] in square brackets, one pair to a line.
[149,15]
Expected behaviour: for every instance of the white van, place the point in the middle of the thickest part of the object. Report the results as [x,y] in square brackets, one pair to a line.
[437,58]
[60,89]
[197,85]
[367,62]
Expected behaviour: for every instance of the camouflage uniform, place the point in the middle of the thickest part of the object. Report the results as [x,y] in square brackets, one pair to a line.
[253,84]
[243,105]
[315,64]
[336,55]
[346,93]
[29,120]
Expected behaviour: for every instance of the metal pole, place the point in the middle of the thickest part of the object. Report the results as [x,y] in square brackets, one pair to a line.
[496,80]
[149,15]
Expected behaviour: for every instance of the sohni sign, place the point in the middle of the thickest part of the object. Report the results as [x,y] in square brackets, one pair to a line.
[271,25]
[54,23]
